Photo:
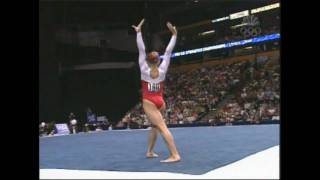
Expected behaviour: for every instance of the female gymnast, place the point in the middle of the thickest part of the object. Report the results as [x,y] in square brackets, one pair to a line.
[152,80]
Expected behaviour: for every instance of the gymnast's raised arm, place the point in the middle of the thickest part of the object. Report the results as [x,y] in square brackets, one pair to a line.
[141,46]
[167,55]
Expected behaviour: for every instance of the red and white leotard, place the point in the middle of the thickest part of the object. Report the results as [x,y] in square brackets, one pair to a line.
[152,89]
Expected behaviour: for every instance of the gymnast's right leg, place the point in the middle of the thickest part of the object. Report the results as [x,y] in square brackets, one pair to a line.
[151,142]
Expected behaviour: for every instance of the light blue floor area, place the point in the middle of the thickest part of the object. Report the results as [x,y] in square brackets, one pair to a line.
[202,149]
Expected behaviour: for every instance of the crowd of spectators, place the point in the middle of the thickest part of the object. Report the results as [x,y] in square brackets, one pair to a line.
[258,100]
[248,90]
[189,95]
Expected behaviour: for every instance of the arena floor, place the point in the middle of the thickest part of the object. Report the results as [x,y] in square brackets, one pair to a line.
[250,151]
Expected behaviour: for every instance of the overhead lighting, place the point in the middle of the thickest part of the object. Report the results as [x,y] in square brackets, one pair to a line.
[265,8]
[220,19]
[239,14]
[250,47]
[206,33]
[238,25]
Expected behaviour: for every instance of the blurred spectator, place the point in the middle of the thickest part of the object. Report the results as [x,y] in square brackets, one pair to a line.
[73,123]
[91,119]
[71,116]
[43,130]
[110,127]
[51,128]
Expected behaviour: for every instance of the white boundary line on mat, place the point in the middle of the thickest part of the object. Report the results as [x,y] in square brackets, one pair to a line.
[262,165]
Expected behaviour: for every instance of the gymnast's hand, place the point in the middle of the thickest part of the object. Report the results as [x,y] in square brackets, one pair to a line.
[138,28]
[172,29]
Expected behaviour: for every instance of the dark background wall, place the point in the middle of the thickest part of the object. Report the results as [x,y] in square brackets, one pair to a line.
[49,83]
[109,92]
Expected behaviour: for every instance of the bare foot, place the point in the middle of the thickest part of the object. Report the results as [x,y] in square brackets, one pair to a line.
[151,155]
[171,159]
